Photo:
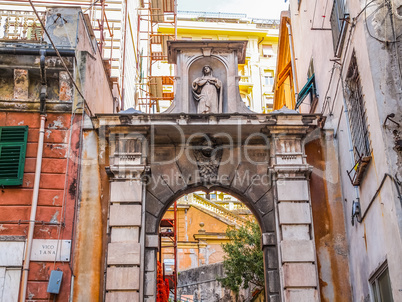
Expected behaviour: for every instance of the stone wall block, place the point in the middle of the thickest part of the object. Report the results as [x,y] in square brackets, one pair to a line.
[294,213]
[297,251]
[293,190]
[123,278]
[130,296]
[21,83]
[299,275]
[271,259]
[296,232]
[125,215]
[123,253]
[301,295]
[274,298]
[150,260]
[152,241]
[268,239]
[150,283]
[126,191]
[125,234]
[273,281]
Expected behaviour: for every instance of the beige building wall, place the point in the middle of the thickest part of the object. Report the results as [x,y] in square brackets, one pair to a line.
[376,241]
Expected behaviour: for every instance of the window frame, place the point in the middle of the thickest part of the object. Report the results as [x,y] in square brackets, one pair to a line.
[22,144]
[339,23]
[374,282]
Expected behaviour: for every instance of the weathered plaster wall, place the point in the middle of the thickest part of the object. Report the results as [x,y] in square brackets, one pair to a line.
[378,238]
[56,193]
[328,218]
[89,231]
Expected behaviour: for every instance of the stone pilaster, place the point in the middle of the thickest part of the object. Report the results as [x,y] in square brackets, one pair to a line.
[295,237]
[124,254]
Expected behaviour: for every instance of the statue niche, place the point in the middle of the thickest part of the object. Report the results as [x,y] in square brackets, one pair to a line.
[207,92]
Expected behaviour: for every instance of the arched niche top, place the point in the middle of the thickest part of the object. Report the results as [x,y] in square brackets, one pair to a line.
[219,71]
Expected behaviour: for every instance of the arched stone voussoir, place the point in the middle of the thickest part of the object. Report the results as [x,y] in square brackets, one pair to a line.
[153,205]
[170,174]
[265,204]
[158,187]
[250,174]
[151,224]
[228,165]
[187,164]
[268,222]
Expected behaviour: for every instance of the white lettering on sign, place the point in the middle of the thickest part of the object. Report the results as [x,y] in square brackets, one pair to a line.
[51,250]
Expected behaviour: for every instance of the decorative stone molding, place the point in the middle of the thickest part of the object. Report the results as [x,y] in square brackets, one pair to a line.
[128,155]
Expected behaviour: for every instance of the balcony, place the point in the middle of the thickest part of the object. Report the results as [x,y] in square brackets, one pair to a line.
[20,26]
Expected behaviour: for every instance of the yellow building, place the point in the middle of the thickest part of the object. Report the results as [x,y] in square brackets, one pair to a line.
[256,76]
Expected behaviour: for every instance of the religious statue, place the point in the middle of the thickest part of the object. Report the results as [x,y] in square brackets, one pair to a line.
[207,92]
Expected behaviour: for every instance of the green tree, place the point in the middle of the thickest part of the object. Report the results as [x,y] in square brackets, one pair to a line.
[243,260]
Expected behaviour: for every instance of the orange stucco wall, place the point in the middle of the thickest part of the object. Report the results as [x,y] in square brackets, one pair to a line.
[57,194]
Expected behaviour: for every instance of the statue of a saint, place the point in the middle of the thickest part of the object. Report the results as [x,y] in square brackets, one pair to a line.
[207,91]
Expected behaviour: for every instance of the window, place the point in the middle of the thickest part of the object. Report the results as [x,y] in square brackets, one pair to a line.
[13,142]
[357,122]
[339,23]
[381,285]
[357,111]
[267,51]
[12,253]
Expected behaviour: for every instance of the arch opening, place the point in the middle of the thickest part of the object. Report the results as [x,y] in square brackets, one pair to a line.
[192,231]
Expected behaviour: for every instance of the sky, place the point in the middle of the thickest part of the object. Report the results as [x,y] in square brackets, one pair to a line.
[266,9]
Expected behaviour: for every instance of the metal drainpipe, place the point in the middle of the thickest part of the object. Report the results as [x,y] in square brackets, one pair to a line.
[292,56]
[27,257]
[142,238]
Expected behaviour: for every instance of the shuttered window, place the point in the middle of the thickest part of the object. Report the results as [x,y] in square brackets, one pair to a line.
[13,142]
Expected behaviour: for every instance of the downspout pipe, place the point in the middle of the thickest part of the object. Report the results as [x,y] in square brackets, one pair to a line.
[36,51]
[144,180]
[292,60]
[34,205]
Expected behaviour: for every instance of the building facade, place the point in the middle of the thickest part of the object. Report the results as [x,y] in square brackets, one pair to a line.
[346,61]
[43,98]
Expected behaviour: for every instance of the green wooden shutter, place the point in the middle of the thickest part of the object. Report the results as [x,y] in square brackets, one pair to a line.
[13,144]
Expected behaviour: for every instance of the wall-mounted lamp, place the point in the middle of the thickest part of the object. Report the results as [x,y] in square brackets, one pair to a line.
[356,212]
[390,118]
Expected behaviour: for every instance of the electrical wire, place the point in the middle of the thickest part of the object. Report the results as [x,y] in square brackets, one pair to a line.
[86,107]
[61,59]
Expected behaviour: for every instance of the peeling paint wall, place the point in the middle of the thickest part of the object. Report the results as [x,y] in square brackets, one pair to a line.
[56,201]
[328,218]
[88,245]
[370,34]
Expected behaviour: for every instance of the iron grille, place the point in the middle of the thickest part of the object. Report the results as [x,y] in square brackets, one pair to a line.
[356,111]
[358,123]
[13,141]
[339,23]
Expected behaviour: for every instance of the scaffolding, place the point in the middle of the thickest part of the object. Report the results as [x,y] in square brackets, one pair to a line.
[155,87]
[168,229]
[20,24]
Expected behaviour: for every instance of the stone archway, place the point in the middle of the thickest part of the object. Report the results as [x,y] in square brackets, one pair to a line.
[258,158]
